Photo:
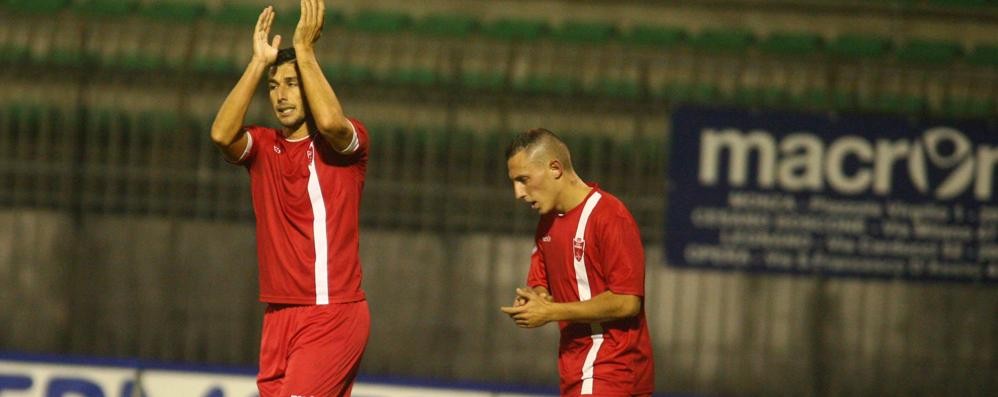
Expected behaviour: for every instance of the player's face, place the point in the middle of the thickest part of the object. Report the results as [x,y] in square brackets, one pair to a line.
[533,182]
[286,95]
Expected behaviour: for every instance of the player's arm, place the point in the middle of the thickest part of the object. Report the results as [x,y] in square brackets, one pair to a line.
[322,102]
[226,131]
[604,307]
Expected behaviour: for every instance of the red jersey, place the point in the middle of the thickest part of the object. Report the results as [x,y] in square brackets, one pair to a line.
[306,198]
[591,249]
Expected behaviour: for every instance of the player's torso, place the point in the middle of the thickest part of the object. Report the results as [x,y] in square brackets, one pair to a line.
[306,200]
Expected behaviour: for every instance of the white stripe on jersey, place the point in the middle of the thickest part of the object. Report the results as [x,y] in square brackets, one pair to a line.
[318,231]
[582,280]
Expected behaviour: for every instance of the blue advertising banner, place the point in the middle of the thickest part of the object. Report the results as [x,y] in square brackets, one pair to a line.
[845,195]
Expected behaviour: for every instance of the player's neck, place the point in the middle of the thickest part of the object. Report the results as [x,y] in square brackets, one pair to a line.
[573,194]
[297,133]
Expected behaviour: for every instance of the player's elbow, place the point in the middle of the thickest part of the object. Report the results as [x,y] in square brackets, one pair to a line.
[338,130]
[222,138]
[628,306]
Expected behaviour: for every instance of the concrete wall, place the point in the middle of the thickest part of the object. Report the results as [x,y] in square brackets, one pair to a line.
[185,290]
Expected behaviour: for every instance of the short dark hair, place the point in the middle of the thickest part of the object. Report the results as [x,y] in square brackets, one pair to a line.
[285,55]
[538,137]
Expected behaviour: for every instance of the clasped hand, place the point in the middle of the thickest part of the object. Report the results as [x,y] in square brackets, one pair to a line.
[530,309]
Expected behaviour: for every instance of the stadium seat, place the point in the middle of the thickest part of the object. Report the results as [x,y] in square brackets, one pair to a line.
[546,84]
[486,81]
[791,44]
[13,53]
[105,8]
[967,107]
[928,51]
[856,46]
[654,36]
[379,22]
[618,88]
[722,40]
[172,11]
[510,29]
[984,55]
[587,32]
[235,14]
[36,6]
[455,26]
[759,96]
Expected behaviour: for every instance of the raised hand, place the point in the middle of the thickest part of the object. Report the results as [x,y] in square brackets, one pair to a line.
[313,14]
[262,50]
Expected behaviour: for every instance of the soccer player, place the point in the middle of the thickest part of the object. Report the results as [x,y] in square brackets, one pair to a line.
[306,180]
[586,272]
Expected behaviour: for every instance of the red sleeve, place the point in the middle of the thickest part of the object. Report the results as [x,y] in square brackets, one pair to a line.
[255,138]
[362,138]
[623,260]
[537,277]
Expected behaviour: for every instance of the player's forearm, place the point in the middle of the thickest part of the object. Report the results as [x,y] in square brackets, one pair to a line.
[231,115]
[601,308]
[322,101]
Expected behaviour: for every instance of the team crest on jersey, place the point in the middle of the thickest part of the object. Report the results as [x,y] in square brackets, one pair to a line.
[277,149]
[578,248]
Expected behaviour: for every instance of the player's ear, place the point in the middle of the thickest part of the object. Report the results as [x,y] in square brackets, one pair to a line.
[556,168]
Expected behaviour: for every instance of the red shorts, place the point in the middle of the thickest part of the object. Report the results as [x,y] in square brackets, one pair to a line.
[312,351]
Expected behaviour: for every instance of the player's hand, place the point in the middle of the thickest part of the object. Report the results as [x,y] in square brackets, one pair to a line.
[313,14]
[533,312]
[520,301]
[262,50]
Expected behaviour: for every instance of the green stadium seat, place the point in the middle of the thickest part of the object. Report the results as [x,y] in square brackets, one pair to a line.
[585,32]
[546,84]
[359,74]
[759,96]
[13,53]
[791,44]
[929,51]
[173,11]
[984,55]
[822,99]
[654,36]
[516,29]
[139,62]
[686,92]
[105,8]
[380,22]
[900,104]
[236,14]
[446,25]
[214,65]
[618,88]
[723,40]
[855,46]
[962,3]
[487,81]
[68,57]
[967,107]
[420,77]
[39,7]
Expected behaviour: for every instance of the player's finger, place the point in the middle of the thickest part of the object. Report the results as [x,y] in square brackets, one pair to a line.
[525,293]
[276,43]
[511,309]
[261,18]
[269,20]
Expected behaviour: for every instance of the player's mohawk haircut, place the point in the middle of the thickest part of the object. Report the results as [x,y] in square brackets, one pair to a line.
[528,139]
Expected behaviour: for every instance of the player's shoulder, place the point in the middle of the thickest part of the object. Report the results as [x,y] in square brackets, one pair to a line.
[611,207]
[262,133]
